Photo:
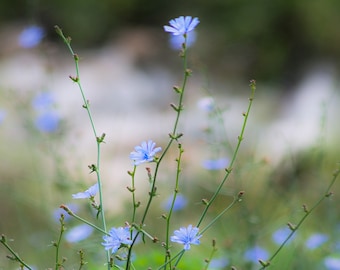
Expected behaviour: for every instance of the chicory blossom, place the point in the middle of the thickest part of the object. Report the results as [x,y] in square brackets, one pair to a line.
[180,203]
[215,164]
[186,236]
[255,253]
[78,233]
[31,36]
[47,122]
[332,263]
[145,152]
[176,42]
[89,193]
[316,240]
[281,235]
[181,25]
[116,238]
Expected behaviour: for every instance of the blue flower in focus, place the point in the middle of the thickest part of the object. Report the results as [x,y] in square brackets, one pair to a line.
[186,236]
[281,235]
[181,25]
[176,42]
[256,253]
[316,240]
[332,263]
[180,203]
[47,122]
[78,233]
[89,193]
[116,238]
[215,164]
[145,152]
[31,36]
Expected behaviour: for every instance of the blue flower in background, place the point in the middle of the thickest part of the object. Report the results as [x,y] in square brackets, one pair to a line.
[57,212]
[186,236]
[47,121]
[145,152]
[281,235]
[2,115]
[117,237]
[43,101]
[181,25]
[89,193]
[180,203]
[176,42]
[256,253]
[220,263]
[206,104]
[316,240]
[215,164]
[31,36]
[332,263]
[78,233]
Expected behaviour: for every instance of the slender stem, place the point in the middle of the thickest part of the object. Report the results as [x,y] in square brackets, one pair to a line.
[15,255]
[99,140]
[57,245]
[230,167]
[327,194]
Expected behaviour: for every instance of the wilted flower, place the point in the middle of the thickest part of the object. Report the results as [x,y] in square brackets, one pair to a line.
[116,238]
[316,240]
[256,253]
[186,236]
[145,152]
[180,203]
[31,36]
[215,164]
[78,233]
[181,25]
[89,193]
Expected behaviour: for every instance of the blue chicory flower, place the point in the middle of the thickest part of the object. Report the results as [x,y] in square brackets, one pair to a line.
[256,253]
[220,263]
[206,104]
[281,235]
[176,42]
[332,263]
[43,101]
[316,240]
[2,115]
[186,236]
[144,152]
[57,212]
[47,122]
[181,25]
[215,164]
[116,238]
[89,193]
[31,36]
[78,233]
[180,203]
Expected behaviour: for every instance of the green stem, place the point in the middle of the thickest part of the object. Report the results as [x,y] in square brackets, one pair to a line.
[99,140]
[15,255]
[327,194]
[229,169]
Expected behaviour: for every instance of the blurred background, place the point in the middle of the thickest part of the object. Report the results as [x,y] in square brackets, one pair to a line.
[128,68]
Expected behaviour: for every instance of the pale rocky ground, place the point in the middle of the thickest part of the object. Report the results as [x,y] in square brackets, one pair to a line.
[130,104]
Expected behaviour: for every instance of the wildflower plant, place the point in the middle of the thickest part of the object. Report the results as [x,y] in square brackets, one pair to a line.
[118,244]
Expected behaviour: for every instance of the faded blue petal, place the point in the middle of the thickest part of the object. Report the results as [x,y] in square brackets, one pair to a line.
[47,122]
[177,41]
[43,101]
[316,240]
[181,25]
[78,233]
[117,237]
[281,235]
[215,164]
[332,263]
[206,104]
[186,236]
[91,192]
[31,36]
[145,152]
[256,253]
[180,203]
